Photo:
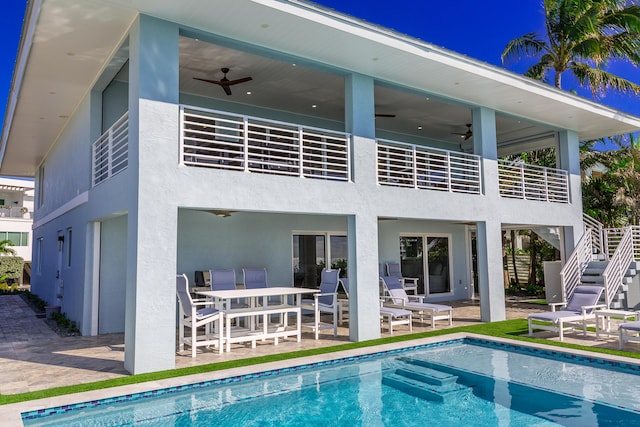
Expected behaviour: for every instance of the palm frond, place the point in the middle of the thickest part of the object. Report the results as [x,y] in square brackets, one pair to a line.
[526,45]
[598,81]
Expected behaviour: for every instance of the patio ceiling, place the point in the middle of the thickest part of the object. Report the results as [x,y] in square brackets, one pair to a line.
[66,44]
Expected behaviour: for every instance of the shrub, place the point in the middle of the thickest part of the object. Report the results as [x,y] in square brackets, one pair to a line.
[11,267]
[65,324]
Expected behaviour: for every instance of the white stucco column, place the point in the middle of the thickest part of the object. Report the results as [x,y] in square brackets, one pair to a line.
[490,278]
[364,302]
[362,227]
[489,243]
[150,314]
[568,154]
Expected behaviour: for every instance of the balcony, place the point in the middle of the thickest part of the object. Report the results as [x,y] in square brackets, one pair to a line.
[518,180]
[219,140]
[110,153]
[425,168]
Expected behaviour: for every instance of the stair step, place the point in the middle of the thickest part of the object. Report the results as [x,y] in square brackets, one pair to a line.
[631,272]
[427,375]
[592,271]
[426,391]
[589,280]
[598,264]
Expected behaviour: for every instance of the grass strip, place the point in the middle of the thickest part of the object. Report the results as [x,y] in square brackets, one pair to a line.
[513,329]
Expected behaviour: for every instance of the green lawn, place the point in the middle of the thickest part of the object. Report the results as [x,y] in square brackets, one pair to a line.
[513,329]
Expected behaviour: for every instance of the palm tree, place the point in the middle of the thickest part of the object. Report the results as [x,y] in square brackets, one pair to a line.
[5,249]
[582,36]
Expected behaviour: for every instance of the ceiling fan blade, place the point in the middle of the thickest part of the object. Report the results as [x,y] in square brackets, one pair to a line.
[227,89]
[385,115]
[235,82]
[215,82]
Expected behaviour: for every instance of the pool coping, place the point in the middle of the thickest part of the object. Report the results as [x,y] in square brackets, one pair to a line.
[11,413]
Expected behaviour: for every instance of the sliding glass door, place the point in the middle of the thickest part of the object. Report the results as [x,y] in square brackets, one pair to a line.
[427,253]
[310,255]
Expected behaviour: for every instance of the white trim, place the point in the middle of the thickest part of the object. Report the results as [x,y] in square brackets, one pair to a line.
[79,200]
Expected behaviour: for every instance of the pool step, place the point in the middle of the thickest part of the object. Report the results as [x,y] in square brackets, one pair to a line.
[427,375]
[415,387]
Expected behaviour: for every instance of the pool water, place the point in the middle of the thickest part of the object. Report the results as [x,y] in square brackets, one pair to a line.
[463,382]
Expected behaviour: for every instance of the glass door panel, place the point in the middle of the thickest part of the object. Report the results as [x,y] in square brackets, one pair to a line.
[439,280]
[338,250]
[411,258]
[309,257]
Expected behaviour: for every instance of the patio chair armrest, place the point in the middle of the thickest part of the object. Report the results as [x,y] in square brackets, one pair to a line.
[410,279]
[553,305]
[202,302]
[391,300]
[592,307]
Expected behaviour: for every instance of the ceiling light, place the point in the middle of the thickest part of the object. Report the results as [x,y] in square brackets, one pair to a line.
[375,59]
[248,92]
[293,65]
[71,54]
[314,106]
[419,127]
[264,26]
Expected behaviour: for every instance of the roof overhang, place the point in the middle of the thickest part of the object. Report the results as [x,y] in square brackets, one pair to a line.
[66,44]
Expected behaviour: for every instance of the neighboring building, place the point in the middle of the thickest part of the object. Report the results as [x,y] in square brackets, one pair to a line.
[16,219]
[347,135]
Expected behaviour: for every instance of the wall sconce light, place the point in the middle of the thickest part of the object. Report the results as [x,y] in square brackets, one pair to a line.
[60,242]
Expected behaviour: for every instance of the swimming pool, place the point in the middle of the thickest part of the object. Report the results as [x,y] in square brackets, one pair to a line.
[460,382]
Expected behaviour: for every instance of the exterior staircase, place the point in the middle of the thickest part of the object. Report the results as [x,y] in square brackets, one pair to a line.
[603,257]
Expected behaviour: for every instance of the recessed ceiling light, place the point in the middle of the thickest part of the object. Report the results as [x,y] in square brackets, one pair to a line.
[375,59]
[419,127]
[314,106]
[52,93]
[63,117]
[71,54]
[293,65]
[264,26]
[427,98]
[248,92]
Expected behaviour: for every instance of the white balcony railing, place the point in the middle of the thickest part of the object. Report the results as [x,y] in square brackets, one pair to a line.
[220,140]
[110,153]
[518,180]
[412,166]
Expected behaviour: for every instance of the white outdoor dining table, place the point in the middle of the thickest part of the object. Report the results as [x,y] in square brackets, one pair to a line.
[256,309]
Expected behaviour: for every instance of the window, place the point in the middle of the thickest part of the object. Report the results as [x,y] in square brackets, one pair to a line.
[68,254]
[427,257]
[17,238]
[39,251]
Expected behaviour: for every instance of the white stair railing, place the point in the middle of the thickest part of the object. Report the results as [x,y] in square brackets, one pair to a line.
[618,266]
[576,264]
[595,227]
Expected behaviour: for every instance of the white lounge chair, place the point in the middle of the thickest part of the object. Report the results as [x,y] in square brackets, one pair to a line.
[193,317]
[410,284]
[628,331]
[397,297]
[579,309]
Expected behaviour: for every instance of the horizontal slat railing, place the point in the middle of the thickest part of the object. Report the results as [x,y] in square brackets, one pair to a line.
[412,166]
[220,140]
[110,153]
[518,180]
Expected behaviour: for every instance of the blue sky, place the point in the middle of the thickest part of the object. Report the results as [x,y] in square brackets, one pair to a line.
[479,29]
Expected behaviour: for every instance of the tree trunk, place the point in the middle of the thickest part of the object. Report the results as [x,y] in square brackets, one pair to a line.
[532,260]
[513,256]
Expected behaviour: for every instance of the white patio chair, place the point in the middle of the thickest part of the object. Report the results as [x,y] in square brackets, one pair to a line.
[324,302]
[579,309]
[408,283]
[193,317]
[397,297]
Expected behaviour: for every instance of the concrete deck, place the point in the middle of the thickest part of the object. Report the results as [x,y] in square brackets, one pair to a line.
[33,357]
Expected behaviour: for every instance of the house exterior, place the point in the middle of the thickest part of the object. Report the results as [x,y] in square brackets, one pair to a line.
[347,146]
[16,212]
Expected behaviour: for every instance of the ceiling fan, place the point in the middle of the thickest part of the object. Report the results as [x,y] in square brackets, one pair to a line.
[224,81]
[385,115]
[468,134]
